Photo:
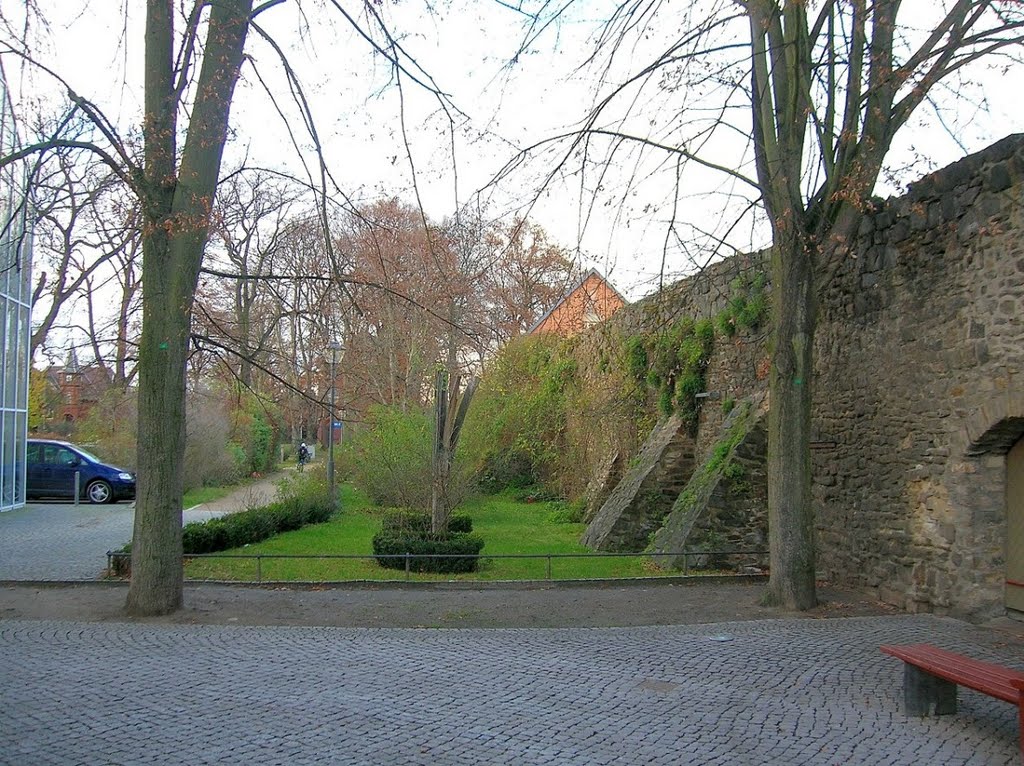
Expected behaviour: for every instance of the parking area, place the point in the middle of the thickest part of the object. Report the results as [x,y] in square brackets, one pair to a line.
[62,541]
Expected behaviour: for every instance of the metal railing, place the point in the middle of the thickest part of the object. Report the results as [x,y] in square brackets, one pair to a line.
[410,558]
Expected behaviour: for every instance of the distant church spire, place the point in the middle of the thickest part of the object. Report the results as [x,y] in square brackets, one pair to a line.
[71,366]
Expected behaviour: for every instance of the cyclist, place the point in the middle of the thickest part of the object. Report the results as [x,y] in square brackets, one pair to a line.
[303,455]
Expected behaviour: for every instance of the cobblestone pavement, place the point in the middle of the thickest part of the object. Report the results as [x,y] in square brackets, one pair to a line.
[61,541]
[770,692]
[64,541]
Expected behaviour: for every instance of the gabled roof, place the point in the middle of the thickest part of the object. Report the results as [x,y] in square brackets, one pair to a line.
[568,295]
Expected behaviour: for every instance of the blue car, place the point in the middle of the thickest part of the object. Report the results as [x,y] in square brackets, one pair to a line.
[52,466]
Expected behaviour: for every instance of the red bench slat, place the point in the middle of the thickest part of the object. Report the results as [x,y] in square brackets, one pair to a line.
[994,680]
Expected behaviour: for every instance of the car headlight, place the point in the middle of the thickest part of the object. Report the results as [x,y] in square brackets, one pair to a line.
[126,476]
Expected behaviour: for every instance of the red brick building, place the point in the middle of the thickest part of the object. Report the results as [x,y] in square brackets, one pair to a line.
[80,387]
[593,300]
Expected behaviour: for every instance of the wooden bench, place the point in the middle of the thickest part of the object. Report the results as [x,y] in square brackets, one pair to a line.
[931,675]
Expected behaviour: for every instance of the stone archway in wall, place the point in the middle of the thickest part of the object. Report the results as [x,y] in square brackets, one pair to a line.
[998,428]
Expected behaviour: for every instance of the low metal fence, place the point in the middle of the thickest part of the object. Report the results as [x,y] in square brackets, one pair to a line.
[120,561]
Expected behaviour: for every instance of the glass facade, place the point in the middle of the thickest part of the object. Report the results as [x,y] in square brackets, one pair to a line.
[15,317]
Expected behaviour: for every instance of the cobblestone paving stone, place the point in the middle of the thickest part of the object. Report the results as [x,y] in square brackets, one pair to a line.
[767,692]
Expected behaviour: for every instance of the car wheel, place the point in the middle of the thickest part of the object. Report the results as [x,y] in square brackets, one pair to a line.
[99,492]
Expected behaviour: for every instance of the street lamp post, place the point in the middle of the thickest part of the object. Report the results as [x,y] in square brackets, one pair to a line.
[335,347]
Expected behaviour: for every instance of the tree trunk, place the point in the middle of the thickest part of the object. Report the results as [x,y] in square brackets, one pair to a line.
[157,575]
[790,513]
[176,210]
[440,461]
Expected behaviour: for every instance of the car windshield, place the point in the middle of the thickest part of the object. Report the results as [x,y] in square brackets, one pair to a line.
[87,455]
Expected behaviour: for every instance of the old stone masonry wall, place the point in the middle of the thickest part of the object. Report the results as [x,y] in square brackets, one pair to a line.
[920,353]
[919,387]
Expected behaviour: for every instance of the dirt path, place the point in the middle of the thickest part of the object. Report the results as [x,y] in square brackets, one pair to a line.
[602,604]
[259,492]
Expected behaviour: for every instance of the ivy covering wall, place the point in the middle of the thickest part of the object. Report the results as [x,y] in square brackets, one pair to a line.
[548,409]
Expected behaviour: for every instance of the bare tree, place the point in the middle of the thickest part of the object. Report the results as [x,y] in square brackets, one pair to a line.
[793,107]
[405,281]
[194,54]
[528,276]
[80,236]
[253,214]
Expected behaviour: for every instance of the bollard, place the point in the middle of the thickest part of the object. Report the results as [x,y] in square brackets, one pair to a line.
[259,568]
[78,485]
[407,566]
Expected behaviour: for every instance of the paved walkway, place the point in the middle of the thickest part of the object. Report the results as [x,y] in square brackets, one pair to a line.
[772,692]
[64,541]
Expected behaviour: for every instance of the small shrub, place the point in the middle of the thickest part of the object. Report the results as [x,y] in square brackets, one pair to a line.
[248,526]
[737,477]
[686,403]
[734,471]
[404,531]
[691,352]
[704,332]
[636,357]
[204,537]
[513,468]
[460,523]
[726,324]
[402,522]
[121,565]
[261,440]
[748,308]
[426,552]
[665,401]
[754,312]
[391,458]
[568,513]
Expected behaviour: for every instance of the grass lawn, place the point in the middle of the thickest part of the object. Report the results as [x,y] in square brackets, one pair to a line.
[508,526]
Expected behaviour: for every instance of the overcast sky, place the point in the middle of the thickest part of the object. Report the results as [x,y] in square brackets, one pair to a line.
[498,108]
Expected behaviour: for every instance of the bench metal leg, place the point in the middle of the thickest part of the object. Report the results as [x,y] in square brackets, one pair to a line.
[925,694]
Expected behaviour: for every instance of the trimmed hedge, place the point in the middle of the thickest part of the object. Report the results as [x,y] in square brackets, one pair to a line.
[409,532]
[245,527]
[426,552]
[254,525]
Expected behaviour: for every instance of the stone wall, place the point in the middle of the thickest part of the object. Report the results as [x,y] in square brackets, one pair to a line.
[918,393]
[918,334]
